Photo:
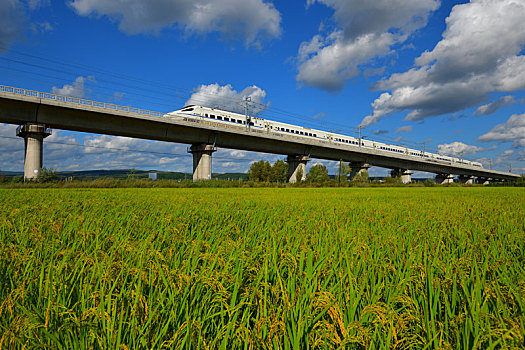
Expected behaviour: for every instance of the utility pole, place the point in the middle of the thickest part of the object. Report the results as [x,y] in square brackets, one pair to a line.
[423,144]
[340,170]
[490,164]
[248,119]
[360,127]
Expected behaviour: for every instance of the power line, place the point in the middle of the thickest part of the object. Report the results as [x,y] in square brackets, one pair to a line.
[157,89]
[225,100]
[128,149]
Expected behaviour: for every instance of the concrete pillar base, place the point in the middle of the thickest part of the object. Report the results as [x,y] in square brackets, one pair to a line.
[202,161]
[405,174]
[358,168]
[444,179]
[296,164]
[466,179]
[483,180]
[34,135]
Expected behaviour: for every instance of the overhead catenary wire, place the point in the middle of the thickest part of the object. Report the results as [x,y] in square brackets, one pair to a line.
[269,110]
[175,155]
[162,89]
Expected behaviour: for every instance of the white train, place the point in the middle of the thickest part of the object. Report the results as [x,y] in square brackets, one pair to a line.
[236,120]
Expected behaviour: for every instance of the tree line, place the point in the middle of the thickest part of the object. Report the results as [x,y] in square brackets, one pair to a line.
[263,171]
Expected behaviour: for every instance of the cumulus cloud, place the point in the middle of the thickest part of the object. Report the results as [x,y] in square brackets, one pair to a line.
[250,20]
[365,30]
[225,97]
[457,149]
[76,89]
[479,54]
[11,17]
[495,105]
[512,130]
[407,128]
[11,149]
[380,132]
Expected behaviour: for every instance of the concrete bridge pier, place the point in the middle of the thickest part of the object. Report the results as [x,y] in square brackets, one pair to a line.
[296,164]
[358,168]
[405,174]
[466,179]
[444,179]
[483,180]
[202,161]
[34,135]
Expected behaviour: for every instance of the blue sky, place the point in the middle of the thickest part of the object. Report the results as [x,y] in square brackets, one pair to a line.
[450,74]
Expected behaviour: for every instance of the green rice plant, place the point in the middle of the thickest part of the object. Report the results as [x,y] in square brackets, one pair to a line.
[289,268]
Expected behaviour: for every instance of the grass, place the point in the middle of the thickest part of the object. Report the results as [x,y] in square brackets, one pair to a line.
[424,268]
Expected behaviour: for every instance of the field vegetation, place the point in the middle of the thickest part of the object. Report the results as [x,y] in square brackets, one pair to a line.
[262,268]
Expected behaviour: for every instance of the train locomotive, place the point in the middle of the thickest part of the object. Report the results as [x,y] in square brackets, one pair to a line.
[236,120]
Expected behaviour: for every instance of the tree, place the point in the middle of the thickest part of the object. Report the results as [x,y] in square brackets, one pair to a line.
[260,171]
[392,180]
[279,171]
[318,174]
[47,175]
[343,172]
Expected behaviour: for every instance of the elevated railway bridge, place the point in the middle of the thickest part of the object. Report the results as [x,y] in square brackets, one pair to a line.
[37,113]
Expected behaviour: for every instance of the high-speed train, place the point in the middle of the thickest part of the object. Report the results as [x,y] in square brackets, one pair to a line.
[236,120]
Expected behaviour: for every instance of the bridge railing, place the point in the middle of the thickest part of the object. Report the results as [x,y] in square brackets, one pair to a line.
[77,100]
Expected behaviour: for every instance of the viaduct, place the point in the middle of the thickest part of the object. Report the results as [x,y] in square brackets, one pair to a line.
[37,112]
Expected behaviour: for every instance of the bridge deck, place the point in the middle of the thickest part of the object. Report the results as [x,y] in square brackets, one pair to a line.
[19,106]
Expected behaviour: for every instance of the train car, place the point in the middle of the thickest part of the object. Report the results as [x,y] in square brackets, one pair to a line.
[236,120]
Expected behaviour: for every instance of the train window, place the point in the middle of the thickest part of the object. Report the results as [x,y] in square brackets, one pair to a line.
[227,119]
[287,130]
[219,117]
[239,121]
[300,132]
[212,116]
[251,124]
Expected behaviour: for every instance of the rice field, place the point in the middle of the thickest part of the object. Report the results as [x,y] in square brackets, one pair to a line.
[267,268]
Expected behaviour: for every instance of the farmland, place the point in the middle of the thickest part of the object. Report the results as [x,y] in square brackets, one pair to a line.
[291,268]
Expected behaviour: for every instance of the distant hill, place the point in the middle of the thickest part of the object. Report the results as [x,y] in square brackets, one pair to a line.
[10,173]
[161,175]
[125,173]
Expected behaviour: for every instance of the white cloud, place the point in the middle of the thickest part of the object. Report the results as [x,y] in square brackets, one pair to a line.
[479,54]
[14,15]
[11,19]
[512,130]
[225,97]
[76,89]
[366,29]
[495,105]
[380,132]
[247,19]
[457,149]
[11,149]
[35,4]
[407,128]
[65,150]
